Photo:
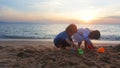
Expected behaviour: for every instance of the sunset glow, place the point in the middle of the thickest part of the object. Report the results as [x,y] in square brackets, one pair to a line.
[60,10]
[87,19]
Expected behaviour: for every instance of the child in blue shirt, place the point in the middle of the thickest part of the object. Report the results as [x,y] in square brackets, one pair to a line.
[63,39]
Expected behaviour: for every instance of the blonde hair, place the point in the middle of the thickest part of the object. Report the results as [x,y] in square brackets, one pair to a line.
[71,28]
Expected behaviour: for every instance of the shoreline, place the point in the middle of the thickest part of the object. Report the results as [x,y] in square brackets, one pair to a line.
[26,39]
[112,41]
[50,41]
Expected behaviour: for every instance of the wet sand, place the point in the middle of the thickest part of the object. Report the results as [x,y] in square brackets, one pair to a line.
[43,54]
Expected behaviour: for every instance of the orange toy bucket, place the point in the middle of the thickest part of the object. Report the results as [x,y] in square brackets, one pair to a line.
[101,50]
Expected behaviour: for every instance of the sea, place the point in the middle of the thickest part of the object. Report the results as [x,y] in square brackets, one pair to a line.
[109,32]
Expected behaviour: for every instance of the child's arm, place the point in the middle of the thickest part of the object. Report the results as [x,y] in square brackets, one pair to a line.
[79,44]
[88,44]
[71,43]
[88,41]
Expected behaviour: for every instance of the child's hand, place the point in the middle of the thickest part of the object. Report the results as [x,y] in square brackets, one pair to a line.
[58,49]
[73,50]
[90,47]
[75,46]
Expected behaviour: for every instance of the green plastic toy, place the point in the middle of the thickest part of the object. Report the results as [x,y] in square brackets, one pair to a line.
[80,51]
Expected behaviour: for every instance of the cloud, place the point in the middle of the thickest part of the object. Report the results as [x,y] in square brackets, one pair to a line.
[114,17]
[46,6]
[108,19]
[11,14]
[37,10]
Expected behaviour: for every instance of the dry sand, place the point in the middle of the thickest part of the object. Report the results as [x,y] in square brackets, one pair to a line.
[43,54]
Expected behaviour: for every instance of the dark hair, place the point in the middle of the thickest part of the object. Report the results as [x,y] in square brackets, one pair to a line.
[95,34]
[71,28]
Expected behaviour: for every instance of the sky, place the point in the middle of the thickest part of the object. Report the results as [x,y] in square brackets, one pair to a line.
[60,11]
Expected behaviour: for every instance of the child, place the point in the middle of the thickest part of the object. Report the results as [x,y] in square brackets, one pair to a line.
[63,39]
[84,34]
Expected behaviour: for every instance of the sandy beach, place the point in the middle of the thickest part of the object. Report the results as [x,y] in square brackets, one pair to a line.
[43,54]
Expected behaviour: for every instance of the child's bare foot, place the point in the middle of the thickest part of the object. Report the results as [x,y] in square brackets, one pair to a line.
[58,49]
[67,48]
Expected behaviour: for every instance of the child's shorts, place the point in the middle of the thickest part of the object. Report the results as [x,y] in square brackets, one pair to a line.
[62,42]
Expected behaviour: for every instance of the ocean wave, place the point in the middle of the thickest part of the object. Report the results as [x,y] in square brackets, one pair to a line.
[104,37]
[23,37]
[110,37]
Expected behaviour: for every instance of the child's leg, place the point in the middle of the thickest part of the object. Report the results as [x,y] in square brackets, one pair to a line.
[85,45]
[59,43]
[79,44]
